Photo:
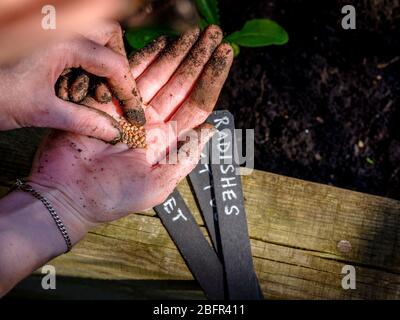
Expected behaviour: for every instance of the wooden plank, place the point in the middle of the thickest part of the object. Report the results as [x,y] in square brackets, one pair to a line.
[294,227]
[89,289]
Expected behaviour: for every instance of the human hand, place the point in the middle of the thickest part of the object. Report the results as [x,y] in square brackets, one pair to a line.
[27,96]
[92,182]
[21,28]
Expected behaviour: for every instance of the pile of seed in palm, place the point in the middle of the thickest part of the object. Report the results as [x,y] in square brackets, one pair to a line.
[133,136]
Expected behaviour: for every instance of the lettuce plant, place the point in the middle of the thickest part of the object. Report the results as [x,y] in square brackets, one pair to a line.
[255,33]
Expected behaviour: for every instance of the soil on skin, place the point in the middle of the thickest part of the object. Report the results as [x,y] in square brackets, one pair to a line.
[325,107]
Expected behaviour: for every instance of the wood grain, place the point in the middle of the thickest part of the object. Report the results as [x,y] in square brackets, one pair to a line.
[294,227]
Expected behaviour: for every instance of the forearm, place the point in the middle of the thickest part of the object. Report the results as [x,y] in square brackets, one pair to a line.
[29,236]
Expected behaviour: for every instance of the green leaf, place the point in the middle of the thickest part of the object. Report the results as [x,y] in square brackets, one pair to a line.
[259,33]
[140,37]
[203,24]
[236,49]
[209,10]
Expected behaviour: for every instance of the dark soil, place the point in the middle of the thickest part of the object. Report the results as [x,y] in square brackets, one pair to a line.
[325,107]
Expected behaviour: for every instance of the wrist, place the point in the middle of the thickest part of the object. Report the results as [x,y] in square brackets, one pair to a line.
[29,237]
[64,206]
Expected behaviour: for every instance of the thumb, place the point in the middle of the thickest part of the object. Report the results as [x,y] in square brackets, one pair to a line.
[188,157]
[82,120]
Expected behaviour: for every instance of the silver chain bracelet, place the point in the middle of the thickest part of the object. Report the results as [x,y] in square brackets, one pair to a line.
[60,225]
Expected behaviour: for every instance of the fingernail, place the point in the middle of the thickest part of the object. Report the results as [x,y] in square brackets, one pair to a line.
[118,138]
[135,116]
